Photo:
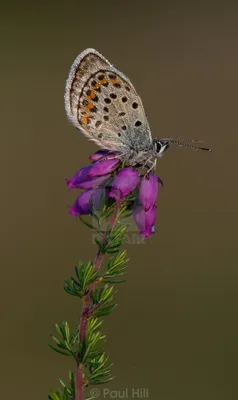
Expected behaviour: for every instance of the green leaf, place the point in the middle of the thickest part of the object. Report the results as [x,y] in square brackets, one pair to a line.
[55,396]
[75,282]
[70,291]
[114,280]
[102,311]
[58,329]
[94,324]
[117,272]
[86,353]
[68,391]
[112,251]
[86,275]
[116,243]
[101,382]
[100,374]
[58,350]
[56,340]
[89,225]
[99,244]
[67,333]
[77,268]
[62,383]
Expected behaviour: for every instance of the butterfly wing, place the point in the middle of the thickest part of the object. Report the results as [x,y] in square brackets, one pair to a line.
[102,103]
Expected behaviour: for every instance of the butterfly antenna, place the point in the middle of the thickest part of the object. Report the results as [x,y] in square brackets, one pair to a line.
[190,146]
[188,140]
[183,140]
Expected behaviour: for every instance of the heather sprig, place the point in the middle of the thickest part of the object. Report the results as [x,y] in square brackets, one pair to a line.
[111,193]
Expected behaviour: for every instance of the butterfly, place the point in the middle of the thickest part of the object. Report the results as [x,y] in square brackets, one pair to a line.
[102,103]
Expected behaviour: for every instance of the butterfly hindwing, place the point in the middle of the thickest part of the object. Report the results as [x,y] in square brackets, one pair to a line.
[103,104]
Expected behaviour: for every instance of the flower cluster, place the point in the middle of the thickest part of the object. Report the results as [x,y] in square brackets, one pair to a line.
[106,179]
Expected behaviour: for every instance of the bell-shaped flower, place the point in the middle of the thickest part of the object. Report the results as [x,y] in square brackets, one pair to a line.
[87,199]
[124,183]
[98,155]
[103,167]
[81,180]
[145,220]
[148,190]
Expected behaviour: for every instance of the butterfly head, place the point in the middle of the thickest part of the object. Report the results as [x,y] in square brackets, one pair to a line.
[160,146]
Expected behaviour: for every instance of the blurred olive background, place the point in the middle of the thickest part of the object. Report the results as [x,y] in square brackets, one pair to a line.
[175,329]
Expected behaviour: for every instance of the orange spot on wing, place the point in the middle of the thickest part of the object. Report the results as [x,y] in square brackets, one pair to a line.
[85,118]
[97,86]
[104,81]
[89,106]
[115,81]
[92,95]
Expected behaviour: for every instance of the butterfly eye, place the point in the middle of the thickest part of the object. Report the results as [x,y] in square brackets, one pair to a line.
[158,146]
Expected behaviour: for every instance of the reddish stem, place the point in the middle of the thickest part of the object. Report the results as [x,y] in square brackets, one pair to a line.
[79,382]
[114,216]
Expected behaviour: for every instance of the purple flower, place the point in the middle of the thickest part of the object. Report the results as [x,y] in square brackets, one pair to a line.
[103,167]
[123,184]
[83,206]
[76,179]
[99,184]
[145,220]
[98,155]
[148,191]
[81,180]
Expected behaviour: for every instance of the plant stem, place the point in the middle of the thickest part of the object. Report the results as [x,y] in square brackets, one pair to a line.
[86,309]
[82,329]
[79,383]
[114,216]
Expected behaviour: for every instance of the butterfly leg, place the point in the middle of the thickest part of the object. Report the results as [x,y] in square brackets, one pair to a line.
[147,161]
[153,166]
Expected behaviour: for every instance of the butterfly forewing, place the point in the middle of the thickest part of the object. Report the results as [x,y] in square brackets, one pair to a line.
[103,104]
